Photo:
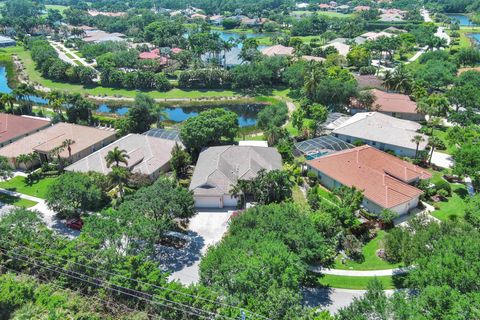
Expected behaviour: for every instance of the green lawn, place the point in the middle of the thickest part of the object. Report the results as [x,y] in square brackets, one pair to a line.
[327,195]
[442,135]
[298,196]
[455,205]
[56,7]
[16,201]
[358,283]
[335,14]
[371,260]
[101,91]
[38,189]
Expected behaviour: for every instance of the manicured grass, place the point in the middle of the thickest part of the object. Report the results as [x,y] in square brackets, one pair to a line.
[356,283]
[442,135]
[298,196]
[371,260]
[69,55]
[16,201]
[18,184]
[334,14]
[455,205]
[327,195]
[101,91]
[56,7]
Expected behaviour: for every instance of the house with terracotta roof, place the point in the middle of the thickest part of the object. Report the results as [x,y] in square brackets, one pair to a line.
[393,104]
[218,169]
[387,182]
[86,140]
[148,155]
[13,128]
[383,132]
[278,50]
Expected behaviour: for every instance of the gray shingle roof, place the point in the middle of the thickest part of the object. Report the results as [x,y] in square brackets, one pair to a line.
[375,126]
[147,155]
[219,168]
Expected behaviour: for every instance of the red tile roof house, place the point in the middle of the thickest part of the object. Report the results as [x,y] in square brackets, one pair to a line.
[14,127]
[153,55]
[385,180]
[393,104]
[87,140]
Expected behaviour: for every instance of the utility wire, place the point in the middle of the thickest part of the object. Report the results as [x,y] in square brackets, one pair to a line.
[145,283]
[136,294]
[104,302]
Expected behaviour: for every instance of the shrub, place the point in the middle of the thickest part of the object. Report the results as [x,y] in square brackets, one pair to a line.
[367,70]
[443,185]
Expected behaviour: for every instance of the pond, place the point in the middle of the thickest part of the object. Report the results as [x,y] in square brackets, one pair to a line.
[462,19]
[247,113]
[475,37]
[4,88]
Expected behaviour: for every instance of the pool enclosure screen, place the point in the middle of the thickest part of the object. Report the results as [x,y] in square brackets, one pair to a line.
[320,146]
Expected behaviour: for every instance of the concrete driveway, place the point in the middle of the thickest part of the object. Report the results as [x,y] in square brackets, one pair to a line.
[442,160]
[205,229]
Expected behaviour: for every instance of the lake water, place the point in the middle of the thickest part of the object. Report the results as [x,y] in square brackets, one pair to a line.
[4,88]
[231,58]
[476,37]
[247,113]
[463,19]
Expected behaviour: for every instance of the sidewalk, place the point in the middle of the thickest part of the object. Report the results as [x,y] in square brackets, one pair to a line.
[363,273]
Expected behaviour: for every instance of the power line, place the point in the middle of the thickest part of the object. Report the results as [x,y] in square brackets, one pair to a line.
[145,283]
[135,293]
[104,302]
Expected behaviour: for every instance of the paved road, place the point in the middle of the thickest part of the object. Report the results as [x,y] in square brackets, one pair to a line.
[332,299]
[360,273]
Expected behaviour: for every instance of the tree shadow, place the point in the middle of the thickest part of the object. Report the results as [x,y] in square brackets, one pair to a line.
[462,193]
[172,259]
[316,296]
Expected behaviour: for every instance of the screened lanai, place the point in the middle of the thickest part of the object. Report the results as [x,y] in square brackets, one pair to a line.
[320,146]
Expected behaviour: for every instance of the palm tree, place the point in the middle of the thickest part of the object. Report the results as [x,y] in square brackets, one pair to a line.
[116,156]
[119,176]
[68,144]
[8,99]
[433,142]
[239,191]
[311,83]
[417,139]
[23,159]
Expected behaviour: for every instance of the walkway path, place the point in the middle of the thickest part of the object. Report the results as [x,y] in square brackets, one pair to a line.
[48,215]
[64,53]
[360,273]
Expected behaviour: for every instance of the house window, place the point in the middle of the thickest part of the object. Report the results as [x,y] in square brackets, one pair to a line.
[374,143]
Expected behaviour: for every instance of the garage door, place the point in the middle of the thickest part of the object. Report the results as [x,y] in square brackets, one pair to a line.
[208,202]
[229,201]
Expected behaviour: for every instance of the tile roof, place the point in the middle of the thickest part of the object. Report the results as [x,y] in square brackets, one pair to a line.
[147,155]
[342,48]
[46,140]
[394,102]
[12,126]
[375,126]
[278,50]
[219,168]
[383,178]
